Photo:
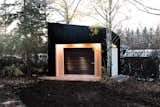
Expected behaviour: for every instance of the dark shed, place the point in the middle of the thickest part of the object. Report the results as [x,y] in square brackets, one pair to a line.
[69,34]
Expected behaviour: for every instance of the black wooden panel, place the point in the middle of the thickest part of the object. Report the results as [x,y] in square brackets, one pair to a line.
[70,34]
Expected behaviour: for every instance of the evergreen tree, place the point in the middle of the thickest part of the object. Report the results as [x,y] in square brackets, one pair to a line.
[157,38]
[128,37]
[137,39]
[145,37]
[150,38]
[8,14]
[30,30]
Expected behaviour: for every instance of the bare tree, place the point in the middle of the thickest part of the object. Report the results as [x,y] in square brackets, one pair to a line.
[106,13]
[144,8]
[65,10]
[101,13]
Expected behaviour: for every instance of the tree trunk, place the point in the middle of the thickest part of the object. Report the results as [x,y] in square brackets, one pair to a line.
[109,42]
[28,64]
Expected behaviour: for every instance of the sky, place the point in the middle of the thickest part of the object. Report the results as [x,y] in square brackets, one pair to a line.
[137,18]
[141,19]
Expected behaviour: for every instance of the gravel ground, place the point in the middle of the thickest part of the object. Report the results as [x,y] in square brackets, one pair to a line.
[42,93]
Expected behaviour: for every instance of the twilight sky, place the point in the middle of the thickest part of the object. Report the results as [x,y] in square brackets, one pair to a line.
[142,19]
[137,19]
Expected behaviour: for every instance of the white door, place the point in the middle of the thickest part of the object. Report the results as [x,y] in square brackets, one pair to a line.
[114,62]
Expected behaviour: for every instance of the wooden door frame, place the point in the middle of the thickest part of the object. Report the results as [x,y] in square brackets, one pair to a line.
[60,57]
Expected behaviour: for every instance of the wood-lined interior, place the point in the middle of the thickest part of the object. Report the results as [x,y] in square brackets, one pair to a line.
[79,61]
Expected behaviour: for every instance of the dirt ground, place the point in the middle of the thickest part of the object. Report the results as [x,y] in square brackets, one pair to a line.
[41,93]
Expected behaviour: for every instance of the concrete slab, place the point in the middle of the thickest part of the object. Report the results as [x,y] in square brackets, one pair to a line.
[72,78]
[120,78]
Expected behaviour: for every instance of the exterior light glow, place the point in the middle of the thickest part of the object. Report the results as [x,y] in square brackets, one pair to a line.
[60,58]
[114,46]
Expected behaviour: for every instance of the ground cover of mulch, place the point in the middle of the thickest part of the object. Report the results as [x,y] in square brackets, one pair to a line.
[25,92]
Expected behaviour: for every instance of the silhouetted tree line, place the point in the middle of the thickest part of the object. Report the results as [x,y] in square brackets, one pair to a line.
[147,38]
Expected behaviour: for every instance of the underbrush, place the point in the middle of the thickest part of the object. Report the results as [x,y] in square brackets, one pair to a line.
[11,71]
[19,70]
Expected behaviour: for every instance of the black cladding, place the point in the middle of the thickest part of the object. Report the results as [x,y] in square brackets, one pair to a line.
[69,34]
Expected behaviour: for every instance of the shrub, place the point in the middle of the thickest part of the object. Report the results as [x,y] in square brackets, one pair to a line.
[104,72]
[11,71]
[151,67]
[18,72]
[144,68]
[39,68]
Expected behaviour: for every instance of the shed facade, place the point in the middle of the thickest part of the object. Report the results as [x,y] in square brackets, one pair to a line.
[76,50]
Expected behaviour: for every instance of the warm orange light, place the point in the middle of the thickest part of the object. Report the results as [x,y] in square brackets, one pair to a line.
[88,44]
[78,45]
[68,45]
[96,46]
[60,57]
[114,46]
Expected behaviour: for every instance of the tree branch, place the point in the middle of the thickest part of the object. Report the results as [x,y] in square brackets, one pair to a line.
[145,9]
[59,12]
[145,5]
[103,17]
[75,9]
[115,5]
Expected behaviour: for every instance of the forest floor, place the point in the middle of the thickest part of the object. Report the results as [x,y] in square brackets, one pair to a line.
[25,92]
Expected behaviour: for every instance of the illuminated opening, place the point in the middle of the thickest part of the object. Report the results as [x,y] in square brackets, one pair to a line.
[82,59]
[79,61]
